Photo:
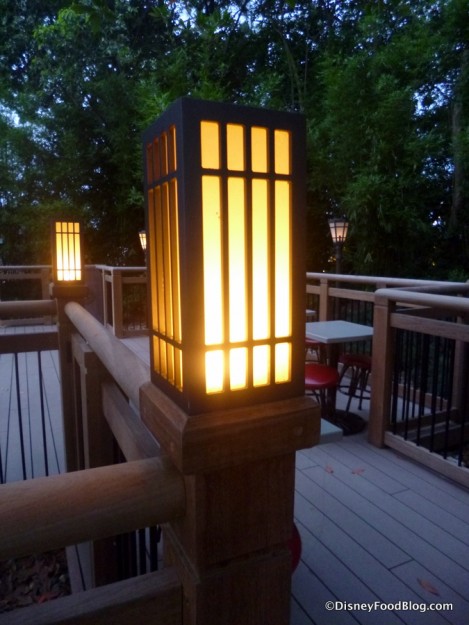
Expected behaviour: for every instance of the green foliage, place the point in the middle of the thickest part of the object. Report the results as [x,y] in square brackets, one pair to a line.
[384,87]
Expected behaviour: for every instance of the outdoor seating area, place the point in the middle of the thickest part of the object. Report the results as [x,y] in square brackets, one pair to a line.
[234,313]
[375,527]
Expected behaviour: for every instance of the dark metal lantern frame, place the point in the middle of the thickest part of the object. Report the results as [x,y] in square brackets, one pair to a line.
[195,154]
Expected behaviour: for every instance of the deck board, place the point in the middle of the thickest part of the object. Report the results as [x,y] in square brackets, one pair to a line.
[366,509]
[37,432]
[372,522]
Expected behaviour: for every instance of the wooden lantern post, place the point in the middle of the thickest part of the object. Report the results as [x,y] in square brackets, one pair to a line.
[67,285]
[225,207]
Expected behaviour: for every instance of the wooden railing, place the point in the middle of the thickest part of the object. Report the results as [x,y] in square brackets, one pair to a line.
[124,299]
[117,295]
[419,401]
[94,501]
[28,282]
[104,385]
[213,466]
[436,432]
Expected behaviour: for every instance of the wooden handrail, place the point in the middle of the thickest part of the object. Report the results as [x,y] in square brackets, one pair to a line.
[51,512]
[419,298]
[125,367]
[381,280]
[31,308]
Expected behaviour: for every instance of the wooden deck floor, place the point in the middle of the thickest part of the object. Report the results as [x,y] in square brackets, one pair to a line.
[375,527]
[22,419]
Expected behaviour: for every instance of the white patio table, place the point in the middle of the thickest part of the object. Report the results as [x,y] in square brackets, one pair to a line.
[333,334]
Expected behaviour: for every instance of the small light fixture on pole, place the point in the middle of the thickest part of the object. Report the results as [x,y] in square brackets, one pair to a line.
[67,252]
[67,259]
[339,229]
[143,239]
[67,285]
[225,206]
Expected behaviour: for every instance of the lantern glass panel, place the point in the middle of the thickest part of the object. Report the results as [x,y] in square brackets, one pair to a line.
[282,259]
[214,371]
[175,272]
[260,260]
[282,152]
[261,365]
[210,145]
[212,260]
[237,259]
[238,368]
[259,152]
[235,147]
[282,362]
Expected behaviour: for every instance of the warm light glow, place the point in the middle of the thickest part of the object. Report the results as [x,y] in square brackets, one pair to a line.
[214,371]
[167,282]
[259,160]
[237,259]
[260,261]
[282,362]
[212,259]
[152,258]
[235,147]
[224,205]
[282,259]
[68,251]
[238,368]
[282,152]
[339,229]
[175,277]
[159,248]
[210,145]
[142,235]
[261,365]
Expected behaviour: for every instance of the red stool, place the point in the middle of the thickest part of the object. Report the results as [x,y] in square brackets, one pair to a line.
[318,380]
[359,367]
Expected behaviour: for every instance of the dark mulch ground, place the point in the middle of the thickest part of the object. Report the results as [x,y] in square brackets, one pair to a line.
[34,579]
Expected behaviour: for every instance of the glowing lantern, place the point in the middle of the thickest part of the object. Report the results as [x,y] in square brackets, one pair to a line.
[225,206]
[67,252]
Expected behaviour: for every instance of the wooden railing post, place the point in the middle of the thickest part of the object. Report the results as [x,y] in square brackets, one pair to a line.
[71,428]
[99,561]
[382,368]
[73,439]
[97,437]
[117,304]
[230,549]
[325,302]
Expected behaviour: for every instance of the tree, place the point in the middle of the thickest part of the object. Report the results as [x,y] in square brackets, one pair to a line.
[383,86]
